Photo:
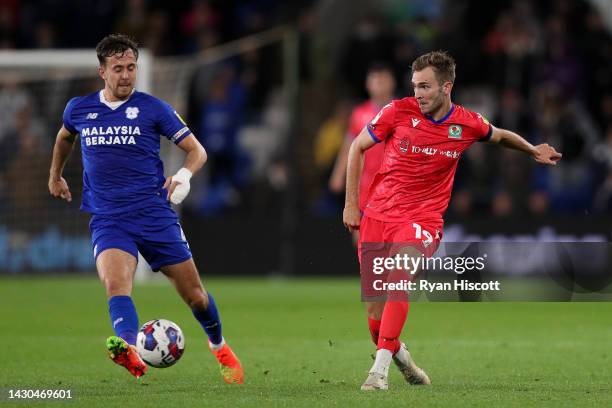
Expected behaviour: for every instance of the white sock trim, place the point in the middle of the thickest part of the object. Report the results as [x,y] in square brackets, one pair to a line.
[217,347]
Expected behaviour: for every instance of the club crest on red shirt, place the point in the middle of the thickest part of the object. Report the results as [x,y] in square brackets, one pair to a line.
[454,131]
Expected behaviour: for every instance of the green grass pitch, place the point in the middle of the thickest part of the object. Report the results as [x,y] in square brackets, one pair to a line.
[305,343]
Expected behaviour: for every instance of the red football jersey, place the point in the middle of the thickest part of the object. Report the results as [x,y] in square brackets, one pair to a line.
[362,114]
[415,179]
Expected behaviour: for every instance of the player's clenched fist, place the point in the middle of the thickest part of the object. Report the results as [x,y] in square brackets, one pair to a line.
[351,218]
[546,154]
[178,186]
[59,188]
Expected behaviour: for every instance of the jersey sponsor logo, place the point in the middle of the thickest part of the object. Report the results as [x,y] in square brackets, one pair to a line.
[432,151]
[451,154]
[92,115]
[415,122]
[110,130]
[131,112]
[428,151]
[180,133]
[454,131]
[403,145]
[109,140]
[110,135]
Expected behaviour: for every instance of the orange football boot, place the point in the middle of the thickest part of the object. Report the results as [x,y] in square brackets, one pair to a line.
[230,366]
[126,355]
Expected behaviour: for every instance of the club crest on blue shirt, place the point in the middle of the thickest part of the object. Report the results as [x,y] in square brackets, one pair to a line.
[131,112]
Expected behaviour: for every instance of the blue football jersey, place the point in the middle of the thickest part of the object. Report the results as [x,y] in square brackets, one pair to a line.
[122,170]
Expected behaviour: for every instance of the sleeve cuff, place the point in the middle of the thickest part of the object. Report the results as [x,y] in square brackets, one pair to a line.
[377,140]
[180,139]
[487,137]
[180,135]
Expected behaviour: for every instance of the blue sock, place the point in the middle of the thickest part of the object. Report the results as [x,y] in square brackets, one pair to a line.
[123,318]
[210,321]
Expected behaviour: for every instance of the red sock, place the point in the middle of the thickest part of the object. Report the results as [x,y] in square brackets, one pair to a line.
[374,326]
[392,323]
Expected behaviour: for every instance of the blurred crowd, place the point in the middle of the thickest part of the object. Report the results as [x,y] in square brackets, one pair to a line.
[541,68]
[166,28]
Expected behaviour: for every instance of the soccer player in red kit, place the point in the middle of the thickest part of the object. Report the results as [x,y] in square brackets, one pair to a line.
[424,137]
[380,85]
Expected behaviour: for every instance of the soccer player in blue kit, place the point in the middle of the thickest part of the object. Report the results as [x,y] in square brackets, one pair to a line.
[125,191]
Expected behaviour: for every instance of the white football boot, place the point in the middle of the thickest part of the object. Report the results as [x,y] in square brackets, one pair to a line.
[377,377]
[375,381]
[412,374]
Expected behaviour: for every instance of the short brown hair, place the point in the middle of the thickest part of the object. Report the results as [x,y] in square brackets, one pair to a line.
[115,44]
[441,62]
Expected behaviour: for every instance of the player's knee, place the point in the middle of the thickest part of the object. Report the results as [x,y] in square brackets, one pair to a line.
[117,287]
[198,299]
[375,310]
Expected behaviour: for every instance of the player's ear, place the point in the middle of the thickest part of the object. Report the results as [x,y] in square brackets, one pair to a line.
[447,87]
[102,72]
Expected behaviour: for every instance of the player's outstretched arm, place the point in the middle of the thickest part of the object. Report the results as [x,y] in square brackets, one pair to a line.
[352,214]
[64,143]
[542,153]
[178,185]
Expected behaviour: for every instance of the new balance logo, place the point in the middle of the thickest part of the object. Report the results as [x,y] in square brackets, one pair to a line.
[92,115]
[415,122]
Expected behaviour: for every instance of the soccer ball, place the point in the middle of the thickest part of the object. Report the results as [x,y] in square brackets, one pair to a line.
[160,343]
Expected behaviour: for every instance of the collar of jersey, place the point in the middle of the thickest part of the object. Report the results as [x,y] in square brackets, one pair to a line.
[116,104]
[437,122]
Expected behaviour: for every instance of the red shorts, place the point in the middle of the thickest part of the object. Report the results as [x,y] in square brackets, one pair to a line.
[426,238]
[381,239]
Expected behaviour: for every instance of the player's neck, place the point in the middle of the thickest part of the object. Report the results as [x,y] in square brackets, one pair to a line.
[442,111]
[109,97]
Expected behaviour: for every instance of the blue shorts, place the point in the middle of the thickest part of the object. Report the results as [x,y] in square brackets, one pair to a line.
[155,232]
